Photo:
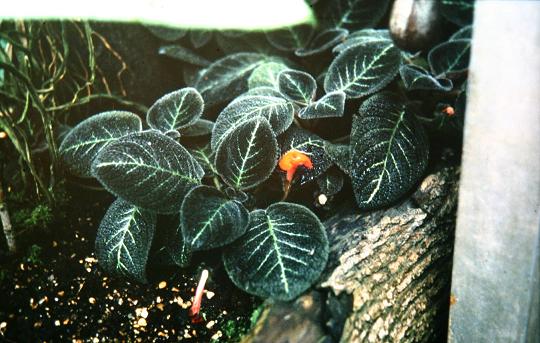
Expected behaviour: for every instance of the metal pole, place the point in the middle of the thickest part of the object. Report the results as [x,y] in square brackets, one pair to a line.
[495,279]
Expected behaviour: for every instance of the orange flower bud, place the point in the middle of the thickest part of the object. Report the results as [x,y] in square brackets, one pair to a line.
[291,160]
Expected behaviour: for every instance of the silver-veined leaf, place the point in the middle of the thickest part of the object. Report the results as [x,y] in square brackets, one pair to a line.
[450,59]
[323,41]
[183,54]
[459,12]
[340,154]
[389,151]
[463,33]
[201,127]
[415,77]
[149,170]
[262,91]
[331,182]
[176,110]
[84,142]
[278,111]
[227,77]
[363,69]
[329,106]
[266,75]
[362,37]
[208,220]
[205,157]
[310,144]
[248,155]
[290,38]
[166,33]
[199,38]
[282,254]
[124,238]
[297,86]
[354,14]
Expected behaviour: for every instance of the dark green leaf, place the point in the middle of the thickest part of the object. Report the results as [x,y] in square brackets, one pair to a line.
[459,12]
[208,220]
[183,54]
[84,142]
[340,154]
[205,157]
[266,75]
[290,38]
[166,33]
[149,170]
[355,14]
[227,77]
[450,59]
[310,144]
[297,86]
[363,69]
[363,37]
[278,111]
[323,41]
[200,38]
[463,33]
[331,182]
[124,238]
[176,110]
[330,105]
[389,151]
[247,155]
[282,254]
[201,127]
[415,77]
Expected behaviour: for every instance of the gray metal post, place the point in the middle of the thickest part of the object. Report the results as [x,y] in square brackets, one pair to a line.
[495,279]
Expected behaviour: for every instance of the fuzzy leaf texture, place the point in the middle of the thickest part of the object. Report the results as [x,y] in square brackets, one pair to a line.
[282,254]
[389,151]
[201,127]
[331,105]
[149,170]
[297,86]
[290,38]
[278,111]
[124,238]
[323,41]
[331,182]
[183,54]
[340,154]
[84,142]
[248,155]
[266,75]
[417,78]
[354,14]
[176,110]
[208,220]
[450,59]
[363,69]
[362,37]
[310,144]
[227,77]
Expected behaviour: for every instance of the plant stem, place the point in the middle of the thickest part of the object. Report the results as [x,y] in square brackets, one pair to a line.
[6,223]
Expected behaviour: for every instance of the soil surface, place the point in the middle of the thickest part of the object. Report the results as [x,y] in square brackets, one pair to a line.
[55,291]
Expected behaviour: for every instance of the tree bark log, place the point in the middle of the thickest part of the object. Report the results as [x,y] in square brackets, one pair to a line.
[395,264]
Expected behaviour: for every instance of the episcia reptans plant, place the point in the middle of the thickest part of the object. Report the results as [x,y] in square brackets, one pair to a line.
[275,122]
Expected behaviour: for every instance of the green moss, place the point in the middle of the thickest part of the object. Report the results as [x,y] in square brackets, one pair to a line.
[37,218]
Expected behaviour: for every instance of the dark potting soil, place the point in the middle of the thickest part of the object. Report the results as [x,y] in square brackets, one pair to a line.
[57,292]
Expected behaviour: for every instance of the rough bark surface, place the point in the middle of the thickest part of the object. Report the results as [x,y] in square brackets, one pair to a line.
[395,264]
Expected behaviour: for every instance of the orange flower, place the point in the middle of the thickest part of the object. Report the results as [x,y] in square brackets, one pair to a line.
[291,160]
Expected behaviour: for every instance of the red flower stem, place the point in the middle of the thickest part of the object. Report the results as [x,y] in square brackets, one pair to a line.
[196,307]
